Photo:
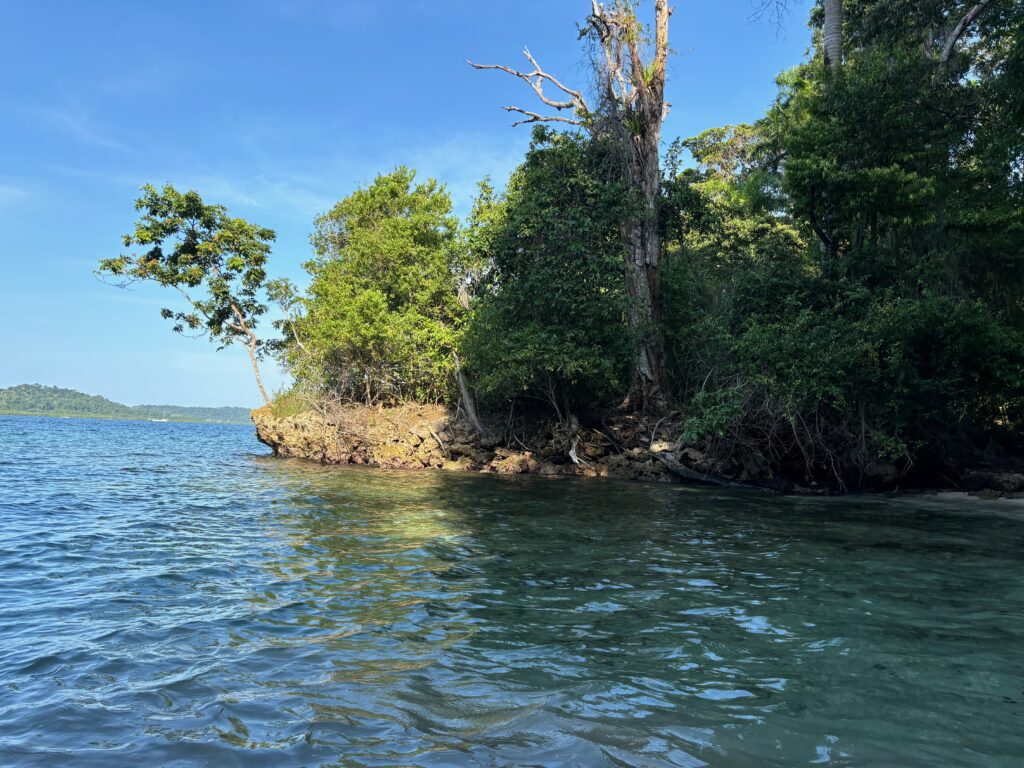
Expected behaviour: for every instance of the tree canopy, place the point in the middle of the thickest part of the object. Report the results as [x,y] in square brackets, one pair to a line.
[216,262]
[381,320]
[550,320]
[834,292]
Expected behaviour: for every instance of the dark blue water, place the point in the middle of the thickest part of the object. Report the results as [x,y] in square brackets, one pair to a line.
[171,596]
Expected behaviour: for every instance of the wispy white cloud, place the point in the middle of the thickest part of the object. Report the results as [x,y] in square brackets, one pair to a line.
[300,194]
[462,161]
[272,176]
[289,194]
[81,127]
[13,193]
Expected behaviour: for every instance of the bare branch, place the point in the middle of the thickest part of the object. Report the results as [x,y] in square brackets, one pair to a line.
[577,99]
[960,28]
[533,117]
[192,303]
[777,11]
[536,80]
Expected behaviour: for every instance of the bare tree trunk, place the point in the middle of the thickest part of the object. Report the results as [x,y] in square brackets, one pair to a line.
[647,109]
[833,33]
[256,369]
[468,401]
[643,275]
[242,326]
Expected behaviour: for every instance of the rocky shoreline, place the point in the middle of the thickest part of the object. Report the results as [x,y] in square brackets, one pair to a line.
[419,437]
[427,437]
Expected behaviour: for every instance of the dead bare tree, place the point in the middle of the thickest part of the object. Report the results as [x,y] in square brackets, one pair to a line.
[630,73]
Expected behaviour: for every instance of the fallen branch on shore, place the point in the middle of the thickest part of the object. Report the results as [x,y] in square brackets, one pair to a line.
[686,473]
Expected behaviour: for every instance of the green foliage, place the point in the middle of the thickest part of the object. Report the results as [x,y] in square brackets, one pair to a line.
[381,320]
[712,413]
[843,280]
[217,262]
[37,400]
[289,403]
[550,320]
[482,228]
[725,153]
[728,257]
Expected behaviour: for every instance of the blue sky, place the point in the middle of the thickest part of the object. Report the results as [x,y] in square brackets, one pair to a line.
[275,108]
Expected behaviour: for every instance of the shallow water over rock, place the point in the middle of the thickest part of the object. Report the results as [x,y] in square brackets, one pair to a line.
[170,596]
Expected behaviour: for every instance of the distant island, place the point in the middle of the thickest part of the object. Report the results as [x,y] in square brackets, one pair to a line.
[38,400]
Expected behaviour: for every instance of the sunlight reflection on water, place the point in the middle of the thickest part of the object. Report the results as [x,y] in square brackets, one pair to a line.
[170,596]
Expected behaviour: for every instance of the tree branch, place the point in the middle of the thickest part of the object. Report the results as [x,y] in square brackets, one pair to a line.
[534,117]
[193,304]
[775,10]
[241,325]
[960,28]
[536,79]
[577,100]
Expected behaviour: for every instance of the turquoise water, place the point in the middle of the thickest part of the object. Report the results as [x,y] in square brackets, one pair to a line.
[171,596]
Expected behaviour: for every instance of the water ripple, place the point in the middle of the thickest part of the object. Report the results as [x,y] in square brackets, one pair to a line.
[169,596]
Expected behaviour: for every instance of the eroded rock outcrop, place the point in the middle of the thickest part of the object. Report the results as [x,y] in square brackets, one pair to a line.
[427,437]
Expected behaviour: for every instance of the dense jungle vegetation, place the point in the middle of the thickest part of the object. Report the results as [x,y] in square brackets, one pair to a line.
[836,289]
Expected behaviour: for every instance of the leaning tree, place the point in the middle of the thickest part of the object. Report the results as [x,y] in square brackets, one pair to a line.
[630,106]
[215,261]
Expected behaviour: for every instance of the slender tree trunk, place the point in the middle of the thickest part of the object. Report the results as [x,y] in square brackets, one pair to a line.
[833,33]
[253,342]
[468,401]
[256,369]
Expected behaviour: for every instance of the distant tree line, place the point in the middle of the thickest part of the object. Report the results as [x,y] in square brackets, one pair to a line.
[38,400]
